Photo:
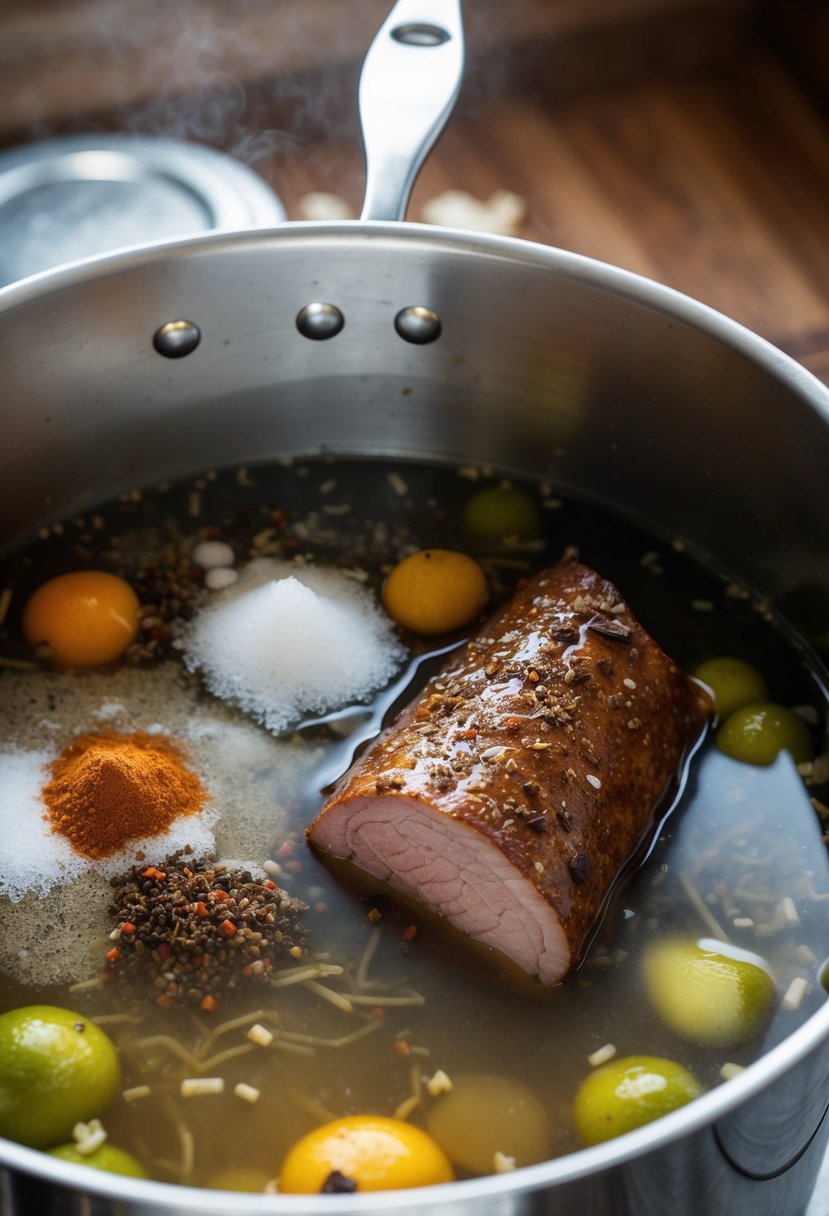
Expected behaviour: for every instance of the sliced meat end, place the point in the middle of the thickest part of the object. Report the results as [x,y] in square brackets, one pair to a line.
[456,872]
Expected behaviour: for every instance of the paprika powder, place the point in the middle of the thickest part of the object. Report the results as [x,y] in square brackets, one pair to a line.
[107,789]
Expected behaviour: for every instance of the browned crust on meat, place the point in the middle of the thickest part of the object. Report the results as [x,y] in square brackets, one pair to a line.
[558,733]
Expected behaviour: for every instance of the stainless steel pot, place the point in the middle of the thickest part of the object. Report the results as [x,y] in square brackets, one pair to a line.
[374,338]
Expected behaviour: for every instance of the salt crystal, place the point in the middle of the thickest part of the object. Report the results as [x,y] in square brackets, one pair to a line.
[32,857]
[290,640]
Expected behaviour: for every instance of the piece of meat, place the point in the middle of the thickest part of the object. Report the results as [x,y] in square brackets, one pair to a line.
[509,795]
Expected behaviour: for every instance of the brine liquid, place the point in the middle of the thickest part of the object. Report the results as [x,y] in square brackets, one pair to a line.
[742,844]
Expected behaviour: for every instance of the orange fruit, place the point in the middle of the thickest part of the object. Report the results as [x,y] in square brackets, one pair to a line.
[367,1153]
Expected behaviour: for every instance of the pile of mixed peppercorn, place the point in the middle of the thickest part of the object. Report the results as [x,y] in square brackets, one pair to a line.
[196,930]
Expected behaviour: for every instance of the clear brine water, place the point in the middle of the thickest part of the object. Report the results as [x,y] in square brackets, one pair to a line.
[741,843]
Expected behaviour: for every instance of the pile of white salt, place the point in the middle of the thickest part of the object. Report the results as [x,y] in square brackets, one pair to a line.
[53,901]
[289,640]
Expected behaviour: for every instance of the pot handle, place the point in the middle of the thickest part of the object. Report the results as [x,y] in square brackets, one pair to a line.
[409,83]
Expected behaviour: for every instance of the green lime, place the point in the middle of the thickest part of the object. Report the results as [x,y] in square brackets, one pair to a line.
[733,682]
[628,1093]
[706,991]
[757,733]
[501,511]
[108,1158]
[56,1069]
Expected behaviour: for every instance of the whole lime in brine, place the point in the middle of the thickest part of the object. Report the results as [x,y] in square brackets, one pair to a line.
[733,682]
[706,991]
[107,1157]
[759,732]
[485,1114]
[628,1093]
[501,511]
[56,1069]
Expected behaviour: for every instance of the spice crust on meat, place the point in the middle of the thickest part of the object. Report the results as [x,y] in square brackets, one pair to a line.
[556,737]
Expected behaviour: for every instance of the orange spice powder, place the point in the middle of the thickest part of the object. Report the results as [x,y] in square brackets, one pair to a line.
[107,789]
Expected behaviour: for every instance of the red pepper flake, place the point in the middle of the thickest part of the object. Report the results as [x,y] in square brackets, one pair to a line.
[220,895]
[208,1003]
[152,872]
[227,928]
[402,1048]
[468,734]
[112,955]
[201,908]
[512,723]
[270,884]
[128,927]
[285,850]
[409,932]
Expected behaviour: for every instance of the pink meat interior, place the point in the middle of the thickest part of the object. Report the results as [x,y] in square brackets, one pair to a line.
[454,871]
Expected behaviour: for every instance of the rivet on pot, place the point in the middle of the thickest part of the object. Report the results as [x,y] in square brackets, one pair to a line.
[319,321]
[420,34]
[418,324]
[177,339]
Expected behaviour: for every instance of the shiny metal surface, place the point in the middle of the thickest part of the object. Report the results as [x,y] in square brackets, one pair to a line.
[410,80]
[606,385]
[418,325]
[319,321]
[176,339]
[77,197]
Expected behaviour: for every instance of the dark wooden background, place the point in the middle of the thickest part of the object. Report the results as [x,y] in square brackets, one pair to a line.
[687,140]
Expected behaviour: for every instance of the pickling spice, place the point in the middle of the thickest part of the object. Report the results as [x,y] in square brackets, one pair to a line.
[107,789]
[196,930]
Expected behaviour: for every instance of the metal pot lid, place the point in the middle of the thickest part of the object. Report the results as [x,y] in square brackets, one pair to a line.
[69,199]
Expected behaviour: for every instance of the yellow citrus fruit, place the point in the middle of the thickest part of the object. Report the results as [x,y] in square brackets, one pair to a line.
[707,992]
[733,682]
[108,1158]
[628,1093]
[757,733]
[435,591]
[87,618]
[485,1114]
[56,1069]
[363,1153]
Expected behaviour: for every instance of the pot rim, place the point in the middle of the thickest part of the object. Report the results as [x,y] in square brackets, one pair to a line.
[627,284]
[672,304]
